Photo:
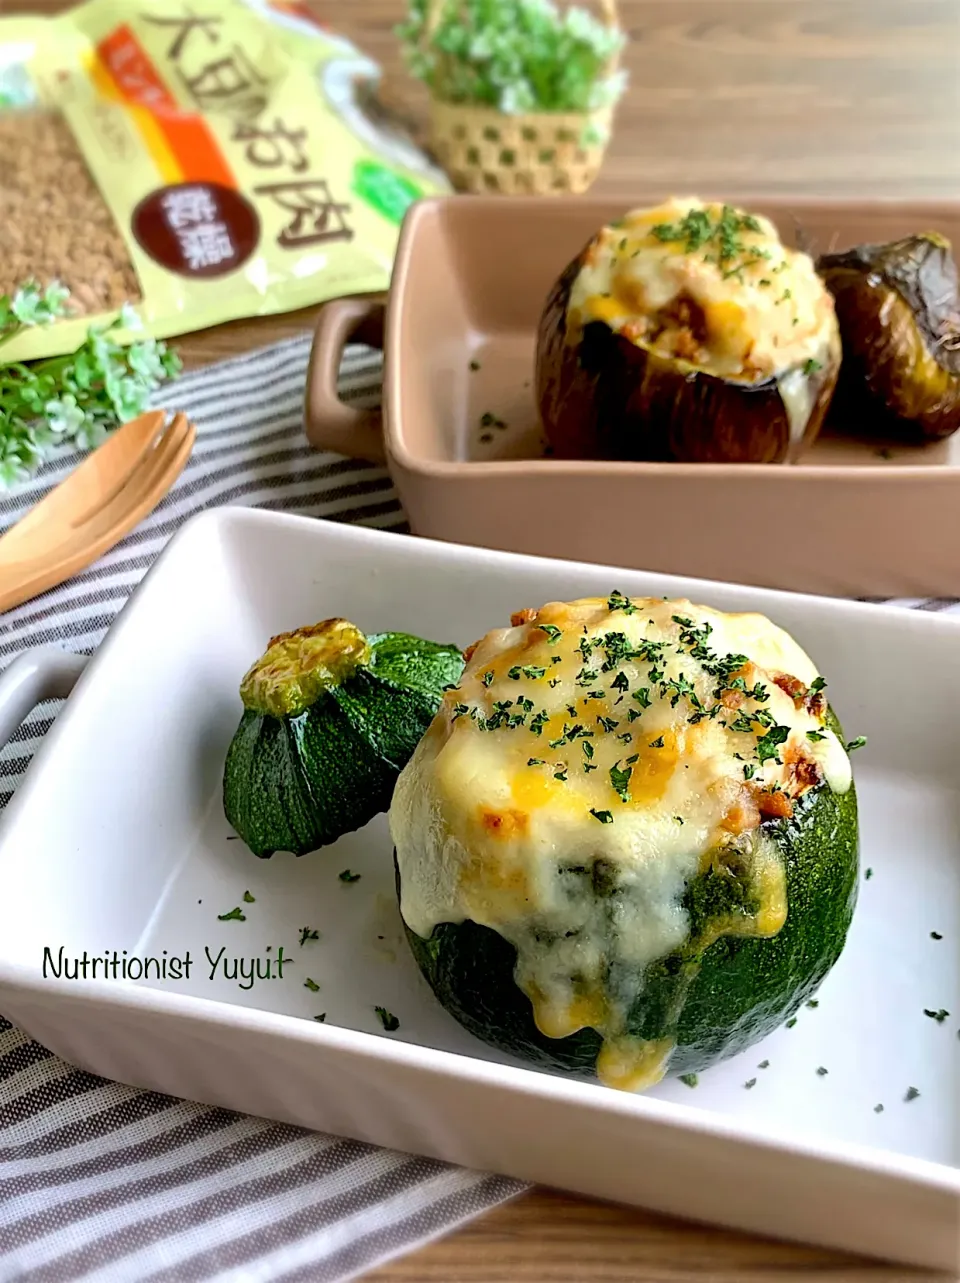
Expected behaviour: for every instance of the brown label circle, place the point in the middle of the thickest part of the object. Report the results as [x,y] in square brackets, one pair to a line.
[197,229]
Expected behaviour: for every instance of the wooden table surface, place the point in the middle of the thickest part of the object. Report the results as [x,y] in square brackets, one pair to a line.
[727,97]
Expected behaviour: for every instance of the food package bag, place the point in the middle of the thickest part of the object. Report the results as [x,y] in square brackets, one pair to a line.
[203,160]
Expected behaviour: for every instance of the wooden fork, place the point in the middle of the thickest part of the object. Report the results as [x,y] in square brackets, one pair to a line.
[101,501]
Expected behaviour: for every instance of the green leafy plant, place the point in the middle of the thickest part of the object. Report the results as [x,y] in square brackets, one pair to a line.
[76,398]
[516,56]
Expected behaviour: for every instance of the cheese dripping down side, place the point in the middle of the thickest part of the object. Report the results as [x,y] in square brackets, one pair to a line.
[599,759]
[713,288]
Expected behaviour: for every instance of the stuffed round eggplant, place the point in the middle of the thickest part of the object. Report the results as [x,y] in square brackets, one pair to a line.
[628,844]
[688,333]
[898,307]
[330,718]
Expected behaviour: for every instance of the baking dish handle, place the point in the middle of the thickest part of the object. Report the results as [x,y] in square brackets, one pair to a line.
[44,673]
[332,424]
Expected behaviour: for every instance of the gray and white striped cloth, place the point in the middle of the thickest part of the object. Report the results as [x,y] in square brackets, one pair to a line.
[109,1184]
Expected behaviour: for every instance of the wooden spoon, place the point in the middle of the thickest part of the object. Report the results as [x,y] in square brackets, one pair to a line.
[101,501]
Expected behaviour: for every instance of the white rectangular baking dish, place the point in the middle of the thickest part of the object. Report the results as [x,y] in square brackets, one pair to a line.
[117,841]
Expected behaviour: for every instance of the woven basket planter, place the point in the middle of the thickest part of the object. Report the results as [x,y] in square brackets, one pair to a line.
[535,154]
[484,150]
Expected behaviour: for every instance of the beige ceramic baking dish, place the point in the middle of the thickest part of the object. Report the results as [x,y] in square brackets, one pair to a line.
[460,436]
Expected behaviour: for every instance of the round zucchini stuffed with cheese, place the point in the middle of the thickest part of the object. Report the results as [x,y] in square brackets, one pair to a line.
[627,845]
[688,333]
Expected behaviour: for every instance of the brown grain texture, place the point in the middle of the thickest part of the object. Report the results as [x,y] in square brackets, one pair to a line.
[54,224]
[728,97]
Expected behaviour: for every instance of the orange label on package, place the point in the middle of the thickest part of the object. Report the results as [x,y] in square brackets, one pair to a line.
[180,142]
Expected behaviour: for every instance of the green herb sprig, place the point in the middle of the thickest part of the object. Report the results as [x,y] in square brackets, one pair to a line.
[387,1019]
[77,398]
[514,55]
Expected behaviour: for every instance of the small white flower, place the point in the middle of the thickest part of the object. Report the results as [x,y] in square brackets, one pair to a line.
[55,295]
[25,303]
[608,91]
[516,99]
[144,359]
[90,435]
[480,47]
[130,318]
[64,416]
[582,25]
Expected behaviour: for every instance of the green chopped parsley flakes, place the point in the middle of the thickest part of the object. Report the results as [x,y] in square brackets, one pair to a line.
[912,1094]
[617,601]
[620,781]
[387,1019]
[768,746]
[311,985]
[690,1080]
[307,933]
[248,898]
[723,236]
[347,876]
[235,915]
[605,817]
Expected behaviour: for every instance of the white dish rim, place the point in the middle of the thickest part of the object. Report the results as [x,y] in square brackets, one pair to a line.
[199,1011]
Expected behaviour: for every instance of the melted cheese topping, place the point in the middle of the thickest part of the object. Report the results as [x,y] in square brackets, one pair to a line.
[593,750]
[751,314]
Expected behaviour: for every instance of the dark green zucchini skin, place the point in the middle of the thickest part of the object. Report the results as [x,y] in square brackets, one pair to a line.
[299,783]
[604,397]
[737,992]
[898,306]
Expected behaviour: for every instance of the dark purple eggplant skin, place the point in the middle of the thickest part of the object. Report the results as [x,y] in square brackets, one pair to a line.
[601,396]
[898,307]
